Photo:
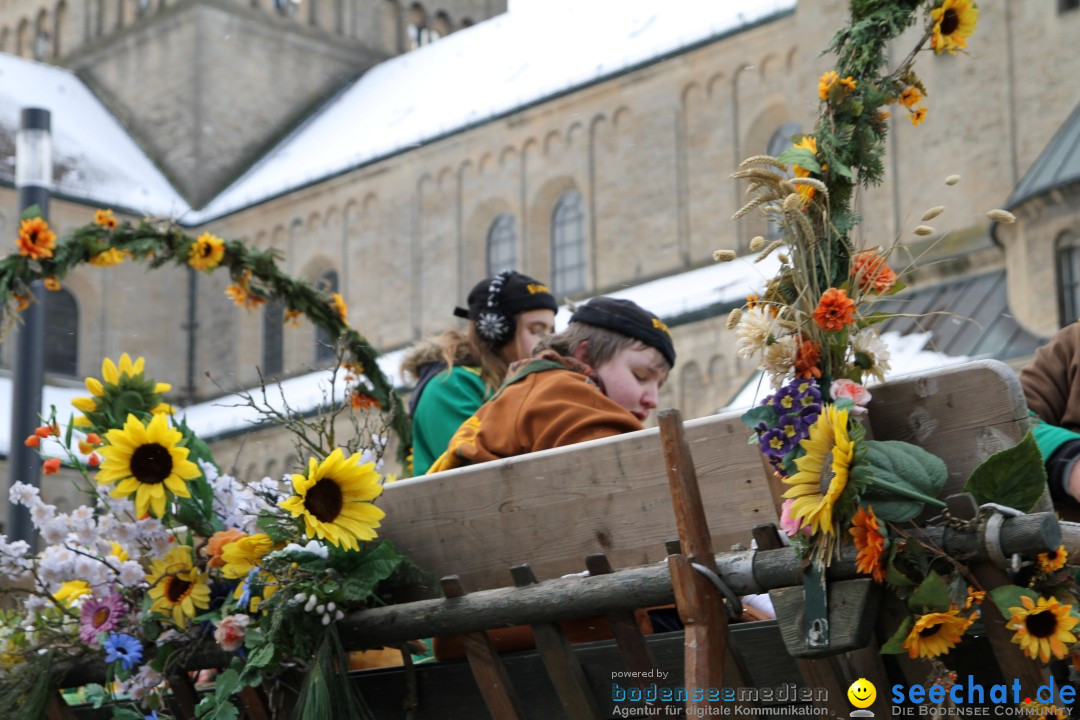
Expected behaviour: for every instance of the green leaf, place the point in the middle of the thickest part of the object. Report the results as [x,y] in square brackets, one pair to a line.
[1014,477]
[226,685]
[760,414]
[931,596]
[33,211]
[801,157]
[903,467]
[895,644]
[95,695]
[124,713]
[1008,596]
[261,657]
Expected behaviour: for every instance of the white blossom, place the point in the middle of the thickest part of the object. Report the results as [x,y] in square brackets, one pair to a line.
[873,350]
[753,331]
[23,494]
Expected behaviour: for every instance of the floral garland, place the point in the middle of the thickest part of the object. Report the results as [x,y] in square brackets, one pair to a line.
[256,280]
[812,332]
[170,556]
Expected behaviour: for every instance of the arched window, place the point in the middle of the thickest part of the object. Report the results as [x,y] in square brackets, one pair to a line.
[273,338]
[502,244]
[41,36]
[442,26]
[1068,272]
[417,30]
[22,38]
[778,143]
[568,244]
[324,346]
[61,332]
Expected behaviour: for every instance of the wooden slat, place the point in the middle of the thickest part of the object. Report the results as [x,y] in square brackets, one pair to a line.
[563,666]
[487,667]
[635,651]
[517,509]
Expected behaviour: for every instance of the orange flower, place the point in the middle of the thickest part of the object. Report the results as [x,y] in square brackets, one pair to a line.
[835,311]
[21,302]
[44,431]
[871,272]
[825,82]
[33,441]
[36,240]
[94,460]
[917,116]
[105,219]
[806,360]
[93,439]
[51,283]
[870,542]
[1054,560]
[910,97]
[362,401]
[341,308]
[216,545]
[241,294]
[51,466]
[847,83]
[974,597]
[292,318]
[884,115]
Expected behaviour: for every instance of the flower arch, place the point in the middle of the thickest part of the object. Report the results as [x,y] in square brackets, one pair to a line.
[257,279]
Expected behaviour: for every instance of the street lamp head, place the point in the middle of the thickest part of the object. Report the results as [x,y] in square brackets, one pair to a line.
[33,149]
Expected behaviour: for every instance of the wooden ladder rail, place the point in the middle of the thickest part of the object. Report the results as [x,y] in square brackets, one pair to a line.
[710,661]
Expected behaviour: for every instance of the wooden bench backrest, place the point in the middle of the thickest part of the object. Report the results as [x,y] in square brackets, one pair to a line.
[552,508]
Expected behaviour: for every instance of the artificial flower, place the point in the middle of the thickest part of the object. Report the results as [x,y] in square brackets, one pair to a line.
[808,142]
[360,400]
[954,22]
[911,97]
[100,615]
[292,318]
[823,471]
[122,390]
[125,648]
[974,597]
[147,460]
[917,116]
[206,252]
[108,258]
[71,590]
[51,283]
[105,219]
[807,358]
[871,272]
[177,587]
[36,241]
[835,310]
[935,634]
[869,540]
[230,632]
[870,353]
[850,390]
[825,82]
[340,307]
[1042,628]
[790,525]
[217,543]
[753,332]
[1054,560]
[50,466]
[241,294]
[244,554]
[780,356]
[334,499]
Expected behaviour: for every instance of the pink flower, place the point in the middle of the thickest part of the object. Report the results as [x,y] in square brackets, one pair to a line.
[792,526]
[100,615]
[230,632]
[853,391]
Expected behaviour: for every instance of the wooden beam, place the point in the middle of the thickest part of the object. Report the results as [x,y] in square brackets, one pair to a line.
[487,667]
[624,626]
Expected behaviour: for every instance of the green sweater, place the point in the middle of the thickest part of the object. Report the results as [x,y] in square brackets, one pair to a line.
[448,400]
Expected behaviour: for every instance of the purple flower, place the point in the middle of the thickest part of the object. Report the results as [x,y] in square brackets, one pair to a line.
[775,444]
[100,615]
[125,648]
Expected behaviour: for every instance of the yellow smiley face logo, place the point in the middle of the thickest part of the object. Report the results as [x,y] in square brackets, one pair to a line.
[862,693]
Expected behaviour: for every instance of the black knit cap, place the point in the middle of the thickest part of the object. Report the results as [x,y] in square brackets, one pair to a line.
[630,319]
[495,301]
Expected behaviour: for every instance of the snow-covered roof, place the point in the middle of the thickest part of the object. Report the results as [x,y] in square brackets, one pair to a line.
[539,49]
[97,160]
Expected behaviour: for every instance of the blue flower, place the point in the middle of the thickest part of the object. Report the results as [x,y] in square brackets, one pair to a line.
[245,590]
[125,648]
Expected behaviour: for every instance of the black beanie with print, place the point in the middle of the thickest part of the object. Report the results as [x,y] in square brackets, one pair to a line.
[628,318]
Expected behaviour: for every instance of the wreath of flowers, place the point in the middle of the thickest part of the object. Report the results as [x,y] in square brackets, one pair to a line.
[256,279]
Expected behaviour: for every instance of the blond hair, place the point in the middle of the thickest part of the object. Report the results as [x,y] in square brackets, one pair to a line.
[602,344]
[459,348]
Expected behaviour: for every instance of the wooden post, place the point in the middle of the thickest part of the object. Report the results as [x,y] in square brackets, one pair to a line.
[709,658]
[487,667]
[632,646]
[184,697]
[562,665]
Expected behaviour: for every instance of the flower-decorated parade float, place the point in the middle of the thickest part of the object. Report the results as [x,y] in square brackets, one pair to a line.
[901,545]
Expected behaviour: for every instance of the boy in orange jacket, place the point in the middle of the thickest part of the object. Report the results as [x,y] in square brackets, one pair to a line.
[600,377]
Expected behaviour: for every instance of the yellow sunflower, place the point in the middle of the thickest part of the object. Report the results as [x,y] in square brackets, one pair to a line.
[823,471]
[121,390]
[334,498]
[954,22]
[341,308]
[105,219]
[36,240]
[245,554]
[177,587]
[1054,560]
[206,252]
[71,590]
[146,460]
[808,142]
[108,258]
[936,633]
[1042,629]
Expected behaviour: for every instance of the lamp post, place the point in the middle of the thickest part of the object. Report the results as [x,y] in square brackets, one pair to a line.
[33,181]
